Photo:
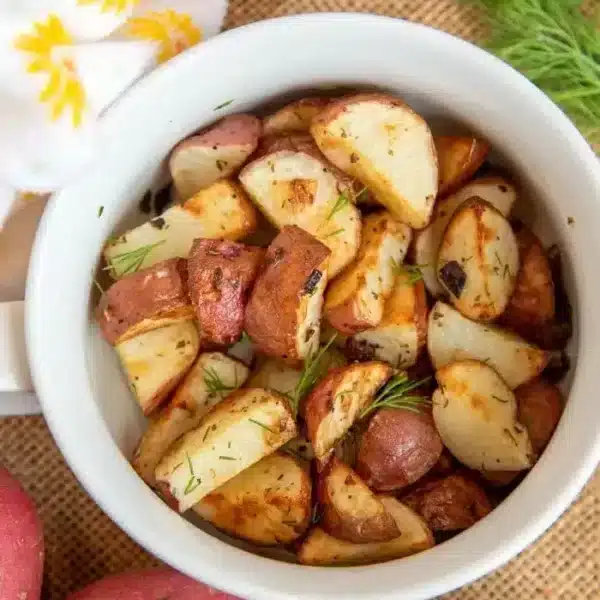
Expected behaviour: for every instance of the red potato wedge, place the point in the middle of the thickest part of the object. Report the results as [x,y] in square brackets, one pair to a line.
[212,377]
[475,413]
[295,116]
[21,542]
[459,157]
[351,511]
[269,503]
[495,190]
[355,300]
[450,504]
[150,584]
[321,549]
[397,449]
[146,300]
[452,337]
[156,361]
[478,260]
[221,274]
[221,211]
[337,401]
[402,332]
[383,143]
[284,311]
[238,432]
[217,152]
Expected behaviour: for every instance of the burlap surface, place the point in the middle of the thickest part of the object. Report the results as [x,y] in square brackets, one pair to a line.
[82,544]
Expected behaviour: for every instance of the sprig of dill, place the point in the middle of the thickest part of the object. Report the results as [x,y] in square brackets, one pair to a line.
[129,262]
[394,395]
[213,382]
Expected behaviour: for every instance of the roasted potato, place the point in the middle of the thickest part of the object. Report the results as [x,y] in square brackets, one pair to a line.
[382,142]
[269,503]
[397,449]
[451,337]
[338,400]
[146,300]
[222,211]
[283,315]
[221,274]
[295,116]
[402,332]
[459,157]
[319,548]
[449,504]
[155,361]
[212,377]
[355,300]
[495,190]
[245,427]
[299,188]
[273,374]
[478,260]
[217,152]
[351,511]
[475,413]
[299,447]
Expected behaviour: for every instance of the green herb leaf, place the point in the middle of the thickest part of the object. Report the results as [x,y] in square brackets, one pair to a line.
[100,210]
[220,106]
[394,395]
[262,425]
[341,202]
[214,383]
[336,232]
[360,196]
[130,262]
[193,481]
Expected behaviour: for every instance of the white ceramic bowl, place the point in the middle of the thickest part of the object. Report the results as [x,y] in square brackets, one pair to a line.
[84,397]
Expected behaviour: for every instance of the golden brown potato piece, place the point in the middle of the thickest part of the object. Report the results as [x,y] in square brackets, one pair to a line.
[351,511]
[478,260]
[449,504]
[319,548]
[397,449]
[338,400]
[355,299]
[295,116]
[283,315]
[146,300]
[217,152]
[382,142]
[269,503]
[221,274]
[459,157]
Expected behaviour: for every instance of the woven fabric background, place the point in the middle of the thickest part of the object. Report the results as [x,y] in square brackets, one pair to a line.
[82,544]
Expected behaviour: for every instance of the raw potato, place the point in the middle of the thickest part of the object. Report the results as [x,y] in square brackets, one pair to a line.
[351,511]
[245,427]
[296,116]
[146,300]
[495,190]
[355,300]
[269,503]
[449,504]
[221,274]
[388,147]
[478,260]
[222,211]
[156,361]
[476,416]
[397,449]
[298,188]
[319,548]
[284,311]
[217,152]
[212,377]
[338,400]
[459,157]
[21,542]
[402,332]
[453,337]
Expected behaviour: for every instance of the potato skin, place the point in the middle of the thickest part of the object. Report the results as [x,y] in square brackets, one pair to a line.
[221,274]
[397,449]
[449,504]
[145,300]
[293,262]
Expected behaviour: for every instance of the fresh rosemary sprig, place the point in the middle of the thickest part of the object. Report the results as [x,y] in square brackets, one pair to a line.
[193,481]
[130,262]
[394,395]
[213,382]
[413,271]
[341,202]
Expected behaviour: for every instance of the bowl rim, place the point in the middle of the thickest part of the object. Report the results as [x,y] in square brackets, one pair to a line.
[68,438]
